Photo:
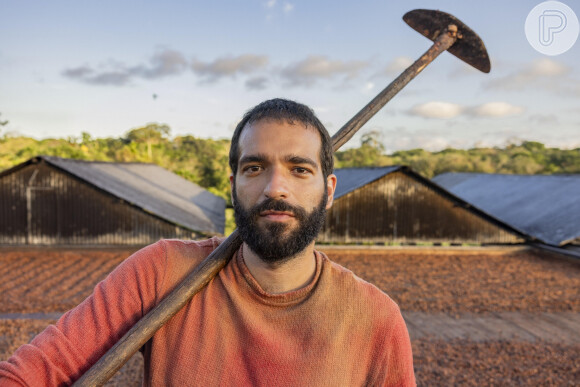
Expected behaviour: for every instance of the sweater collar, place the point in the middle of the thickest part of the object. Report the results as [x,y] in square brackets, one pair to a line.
[291,297]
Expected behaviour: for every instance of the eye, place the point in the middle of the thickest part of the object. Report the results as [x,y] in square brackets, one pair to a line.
[301,170]
[252,169]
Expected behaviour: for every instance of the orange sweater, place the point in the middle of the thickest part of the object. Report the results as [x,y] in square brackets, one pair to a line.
[338,330]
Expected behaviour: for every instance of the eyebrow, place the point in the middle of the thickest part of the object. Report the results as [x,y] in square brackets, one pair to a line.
[292,159]
[257,158]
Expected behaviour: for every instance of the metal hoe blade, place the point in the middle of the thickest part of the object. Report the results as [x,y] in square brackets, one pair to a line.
[468,47]
[448,33]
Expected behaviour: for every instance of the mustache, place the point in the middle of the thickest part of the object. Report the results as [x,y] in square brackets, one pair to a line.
[278,205]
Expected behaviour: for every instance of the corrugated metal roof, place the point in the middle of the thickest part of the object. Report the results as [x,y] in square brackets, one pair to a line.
[154,189]
[546,207]
[349,179]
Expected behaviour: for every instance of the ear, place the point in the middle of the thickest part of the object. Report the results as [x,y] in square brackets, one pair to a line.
[330,187]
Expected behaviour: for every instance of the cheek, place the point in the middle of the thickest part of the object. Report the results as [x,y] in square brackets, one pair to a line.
[246,190]
[315,196]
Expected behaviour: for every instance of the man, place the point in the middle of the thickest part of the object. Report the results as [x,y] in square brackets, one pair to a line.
[279,314]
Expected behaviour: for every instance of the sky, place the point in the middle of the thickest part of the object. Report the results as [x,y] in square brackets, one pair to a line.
[106,67]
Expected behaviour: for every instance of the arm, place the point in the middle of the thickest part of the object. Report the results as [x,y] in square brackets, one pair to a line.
[399,357]
[64,351]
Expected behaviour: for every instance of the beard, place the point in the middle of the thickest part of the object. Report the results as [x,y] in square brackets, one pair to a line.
[269,241]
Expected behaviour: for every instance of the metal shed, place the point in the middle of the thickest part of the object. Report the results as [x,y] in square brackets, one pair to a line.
[545,207]
[395,204]
[56,201]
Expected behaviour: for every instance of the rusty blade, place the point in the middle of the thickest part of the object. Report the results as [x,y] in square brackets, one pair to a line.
[469,47]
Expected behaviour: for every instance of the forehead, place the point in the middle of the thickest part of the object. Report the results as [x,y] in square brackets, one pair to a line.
[280,138]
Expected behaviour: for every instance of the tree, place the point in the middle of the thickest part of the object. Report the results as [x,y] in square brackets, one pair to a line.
[3,123]
[149,134]
[370,153]
[203,161]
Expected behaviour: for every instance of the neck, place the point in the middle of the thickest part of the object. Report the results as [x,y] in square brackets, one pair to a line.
[292,274]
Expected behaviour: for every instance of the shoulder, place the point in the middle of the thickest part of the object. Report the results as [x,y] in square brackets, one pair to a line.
[361,295]
[180,257]
[170,252]
[154,268]
[188,250]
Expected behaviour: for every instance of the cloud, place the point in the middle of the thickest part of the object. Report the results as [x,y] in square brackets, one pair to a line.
[315,67]
[447,110]
[257,83]
[400,138]
[397,65]
[495,109]
[162,64]
[437,109]
[544,74]
[547,68]
[78,72]
[228,66]
[254,70]
[86,74]
[271,6]
[368,87]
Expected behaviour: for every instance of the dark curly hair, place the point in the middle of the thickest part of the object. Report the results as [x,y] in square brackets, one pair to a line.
[291,112]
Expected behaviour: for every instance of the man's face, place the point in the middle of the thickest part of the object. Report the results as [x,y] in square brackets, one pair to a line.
[279,193]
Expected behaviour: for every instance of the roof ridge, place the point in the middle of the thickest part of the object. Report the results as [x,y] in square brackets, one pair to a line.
[374,167]
[68,159]
[511,174]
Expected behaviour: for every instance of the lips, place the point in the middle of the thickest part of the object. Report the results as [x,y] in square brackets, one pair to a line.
[277,211]
[276,215]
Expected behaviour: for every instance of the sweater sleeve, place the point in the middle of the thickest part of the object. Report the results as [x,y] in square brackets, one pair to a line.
[63,352]
[398,356]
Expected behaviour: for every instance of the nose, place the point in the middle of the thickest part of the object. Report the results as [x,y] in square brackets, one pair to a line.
[277,185]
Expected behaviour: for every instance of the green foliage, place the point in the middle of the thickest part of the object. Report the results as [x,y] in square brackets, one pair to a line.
[370,153]
[205,161]
[230,221]
[149,134]
[529,157]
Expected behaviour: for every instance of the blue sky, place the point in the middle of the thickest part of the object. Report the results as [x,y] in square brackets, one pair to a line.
[95,66]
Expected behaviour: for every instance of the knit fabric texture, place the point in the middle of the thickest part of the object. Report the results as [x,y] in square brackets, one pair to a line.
[338,330]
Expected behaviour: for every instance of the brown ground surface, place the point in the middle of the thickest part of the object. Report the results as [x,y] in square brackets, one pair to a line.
[52,280]
[475,280]
[432,281]
[496,363]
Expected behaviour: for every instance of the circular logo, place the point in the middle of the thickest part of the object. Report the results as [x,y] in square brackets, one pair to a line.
[552,28]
